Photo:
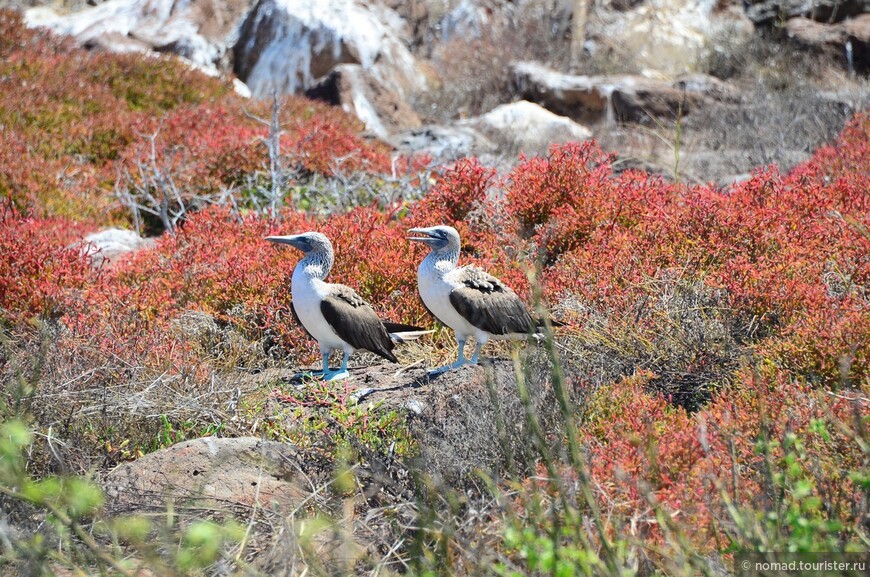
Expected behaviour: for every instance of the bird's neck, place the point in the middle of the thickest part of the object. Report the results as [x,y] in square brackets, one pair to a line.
[313,267]
[440,262]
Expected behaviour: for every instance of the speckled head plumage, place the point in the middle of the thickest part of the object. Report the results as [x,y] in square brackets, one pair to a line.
[441,238]
[319,255]
[307,242]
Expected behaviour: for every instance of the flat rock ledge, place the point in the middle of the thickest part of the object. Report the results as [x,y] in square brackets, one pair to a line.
[465,421]
[211,473]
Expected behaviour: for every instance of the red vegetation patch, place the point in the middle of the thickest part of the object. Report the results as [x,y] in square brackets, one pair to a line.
[38,268]
[71,121]
[788,250]
[762,445]
[457,192]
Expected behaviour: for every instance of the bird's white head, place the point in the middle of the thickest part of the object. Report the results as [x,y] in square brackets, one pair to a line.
[319,255]
[307,242]
[441,239]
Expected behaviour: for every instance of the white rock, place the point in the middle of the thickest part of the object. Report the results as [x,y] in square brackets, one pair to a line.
[526,127]
[110,244]
[198,30]
[241,88]
[415,406]
[285,45]
[673,36]
[358,92]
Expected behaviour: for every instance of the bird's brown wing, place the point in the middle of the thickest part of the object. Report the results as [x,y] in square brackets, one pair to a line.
[355,321]
[490,305]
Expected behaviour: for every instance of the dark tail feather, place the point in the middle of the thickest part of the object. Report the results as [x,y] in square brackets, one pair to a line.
[387,355]
[539,323]
[401,328]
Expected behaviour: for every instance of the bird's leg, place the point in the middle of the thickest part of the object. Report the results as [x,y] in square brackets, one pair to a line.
[460,360]
[316,373]
[476,356]
[341,373]
[460,356]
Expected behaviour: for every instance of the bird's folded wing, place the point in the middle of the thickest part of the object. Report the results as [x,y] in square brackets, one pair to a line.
[355,322]
[489,305]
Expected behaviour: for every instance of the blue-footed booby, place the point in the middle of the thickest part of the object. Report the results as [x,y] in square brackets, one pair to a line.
[467,299]
[334,314]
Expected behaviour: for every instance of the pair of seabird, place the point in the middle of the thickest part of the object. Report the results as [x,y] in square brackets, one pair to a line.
[467,299]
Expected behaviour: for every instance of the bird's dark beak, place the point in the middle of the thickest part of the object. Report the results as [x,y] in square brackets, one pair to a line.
[426,236]
[293,240]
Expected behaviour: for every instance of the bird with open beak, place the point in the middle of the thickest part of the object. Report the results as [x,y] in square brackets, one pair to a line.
[467,299]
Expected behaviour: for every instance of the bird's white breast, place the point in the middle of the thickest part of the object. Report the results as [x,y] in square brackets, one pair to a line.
[435,287]
[308,293]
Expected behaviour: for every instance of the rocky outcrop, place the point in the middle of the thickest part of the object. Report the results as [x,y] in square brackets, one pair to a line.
[770,12]
[632,98]
[519,127]
[358,92]
[471,418]
[443,143]
[526,127]
[196,29]
[286,45]
[846,43]
[466,419]
[283,45]
[667,37]
[465,422]
[222,474]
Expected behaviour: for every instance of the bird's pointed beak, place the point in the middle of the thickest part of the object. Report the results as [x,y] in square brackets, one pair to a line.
[292,240]
[426,235]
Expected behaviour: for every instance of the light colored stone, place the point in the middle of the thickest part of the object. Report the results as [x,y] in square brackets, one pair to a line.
[198,30]
[358,92]
[443,143]
[286,45]
[619,97]
[241,88]
[527,127]
[209,472]
[107,246]
[671,37]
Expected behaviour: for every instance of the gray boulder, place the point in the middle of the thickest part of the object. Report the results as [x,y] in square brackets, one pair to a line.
[197,30]
[286,45]
[666,37]
[465,420]
[526,127]
[770,12]
[621,97]
[107,246]
[209,472]
[358,92]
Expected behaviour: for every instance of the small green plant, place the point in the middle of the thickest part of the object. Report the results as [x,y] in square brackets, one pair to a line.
[794,517]
[170,434]
[540,551]
[69,504]
[331,411]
